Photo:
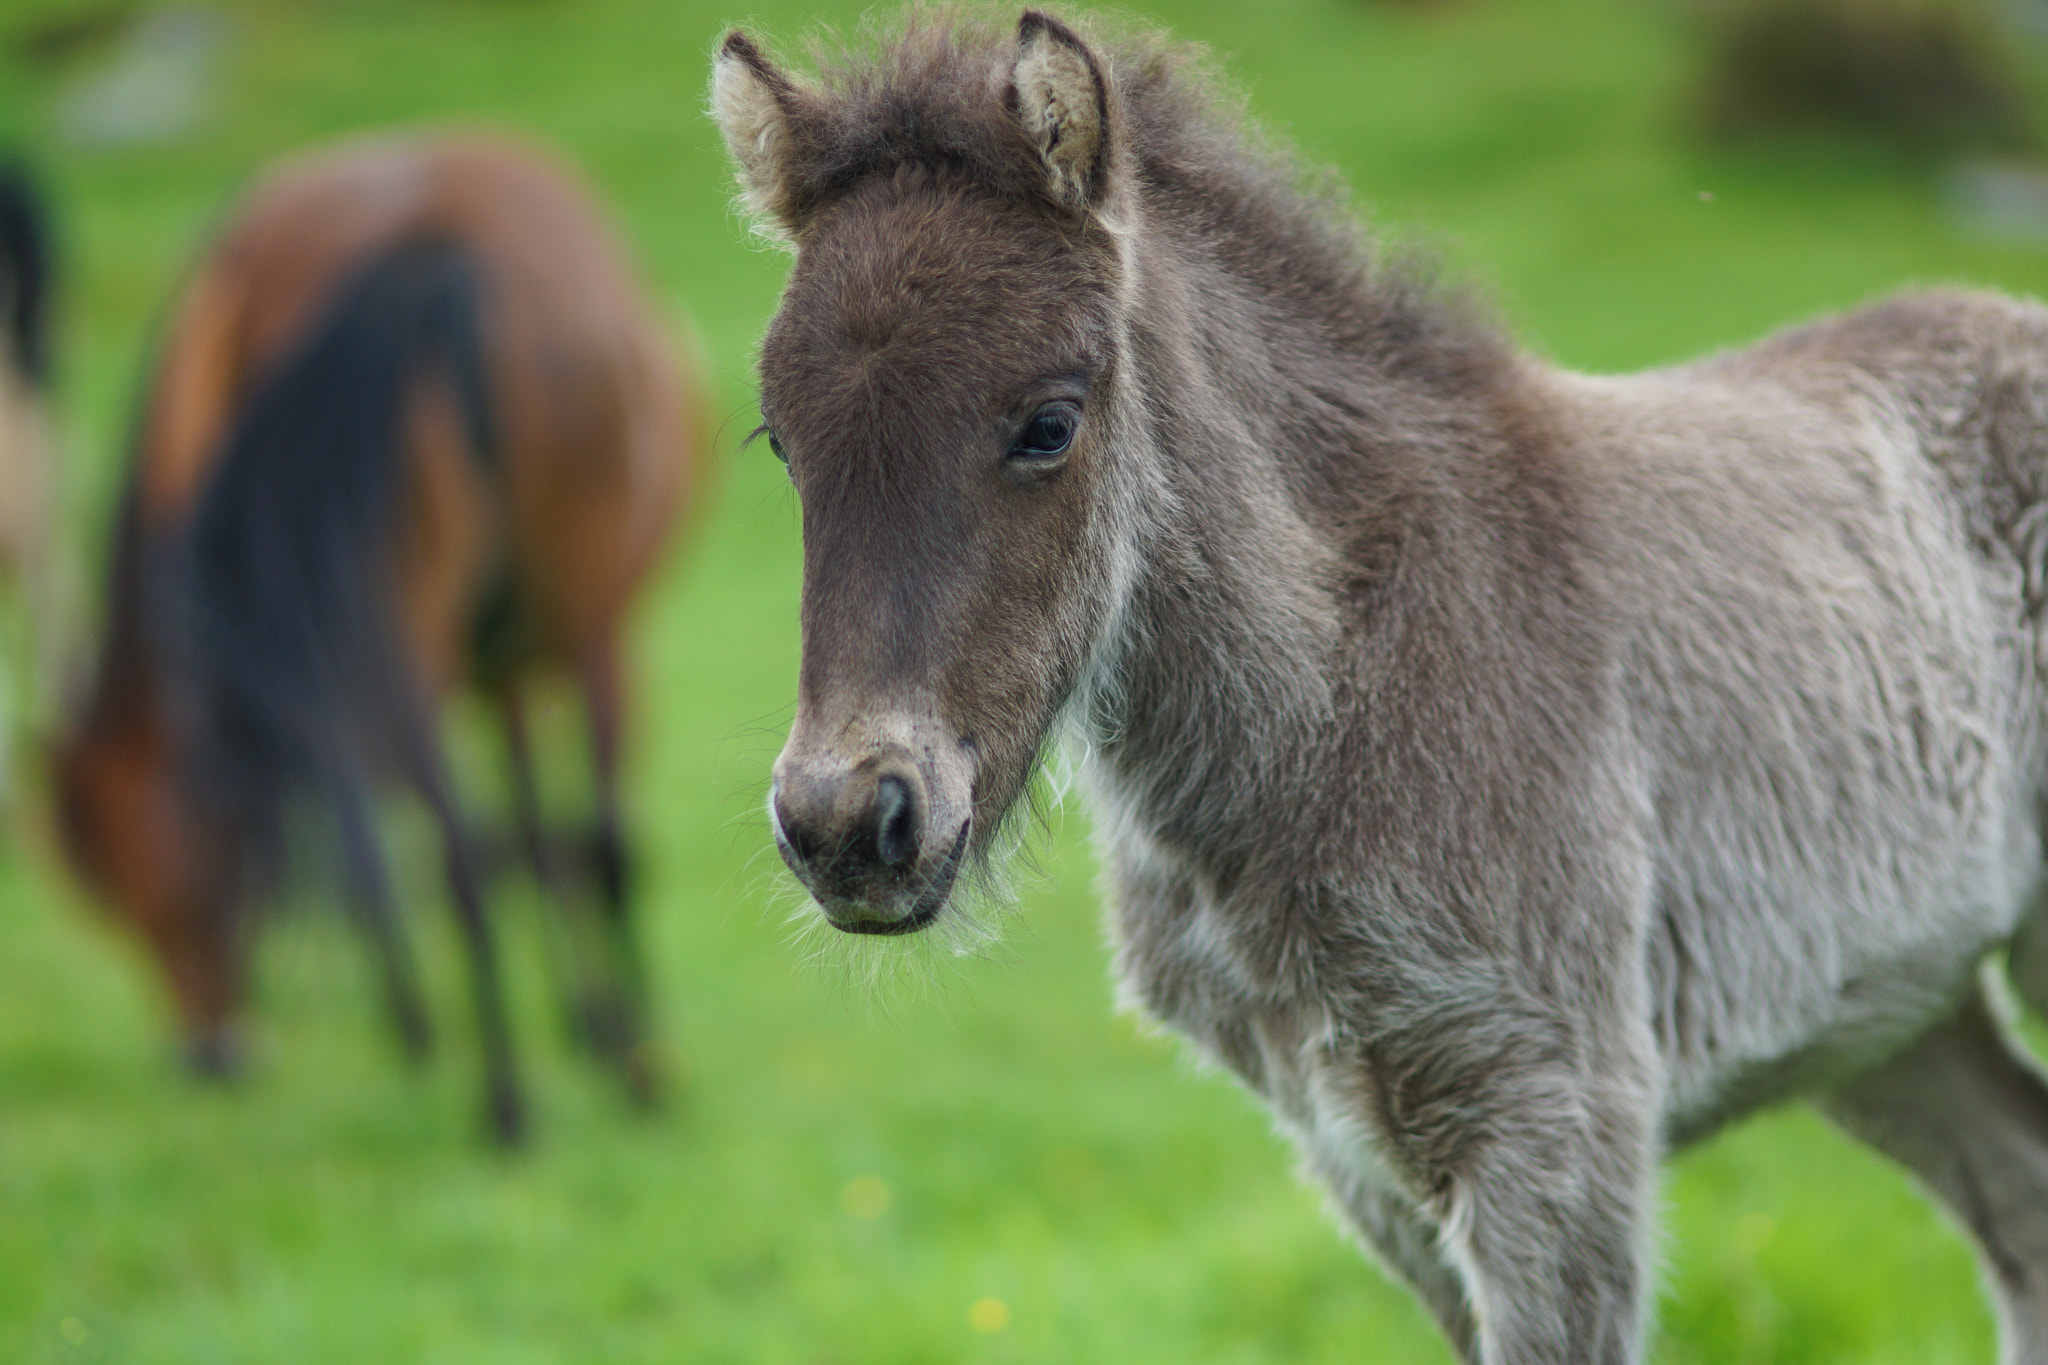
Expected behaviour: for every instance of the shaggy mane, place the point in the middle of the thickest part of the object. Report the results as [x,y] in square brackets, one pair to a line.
[931,87]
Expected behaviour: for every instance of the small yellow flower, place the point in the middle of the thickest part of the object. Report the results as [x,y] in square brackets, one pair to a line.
[1754,1231]
[988,1315]
[865,1197]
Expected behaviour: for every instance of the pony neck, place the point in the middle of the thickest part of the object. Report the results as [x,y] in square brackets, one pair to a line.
[1309,436]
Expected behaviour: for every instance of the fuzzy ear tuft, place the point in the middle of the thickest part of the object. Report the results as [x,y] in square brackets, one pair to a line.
[1059,95]
[754,104]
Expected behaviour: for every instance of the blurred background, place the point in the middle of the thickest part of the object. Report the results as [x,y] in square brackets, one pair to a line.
[899,1158]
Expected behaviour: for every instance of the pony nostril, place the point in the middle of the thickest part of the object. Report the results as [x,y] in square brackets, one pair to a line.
[798,838]
[895,822]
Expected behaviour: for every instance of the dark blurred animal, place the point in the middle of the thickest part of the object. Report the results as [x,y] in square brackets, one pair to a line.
[413,426]
[27,272]
[1511,775]
[1931,80]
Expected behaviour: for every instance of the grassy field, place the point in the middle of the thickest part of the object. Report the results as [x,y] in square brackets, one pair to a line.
[967,1161]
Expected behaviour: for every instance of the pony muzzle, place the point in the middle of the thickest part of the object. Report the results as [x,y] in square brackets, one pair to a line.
[874,840]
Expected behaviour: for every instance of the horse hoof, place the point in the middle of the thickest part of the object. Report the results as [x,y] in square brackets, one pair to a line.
[646,1078]
[215,1056]
[506,1120]
[415,1039]
[605,1024]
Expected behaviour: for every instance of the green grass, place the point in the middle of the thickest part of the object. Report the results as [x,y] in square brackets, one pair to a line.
[1032,1146]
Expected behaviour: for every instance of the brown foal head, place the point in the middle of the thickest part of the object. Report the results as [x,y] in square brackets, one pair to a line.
[944,380]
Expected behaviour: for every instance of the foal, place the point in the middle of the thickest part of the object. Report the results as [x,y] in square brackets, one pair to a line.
[1511,775]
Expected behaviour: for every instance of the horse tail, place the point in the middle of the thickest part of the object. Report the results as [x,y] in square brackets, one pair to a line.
[25,274]
[287,597]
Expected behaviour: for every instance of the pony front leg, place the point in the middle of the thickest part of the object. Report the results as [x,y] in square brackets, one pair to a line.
[1410,1248]
[1554,1259]
[1539,1167]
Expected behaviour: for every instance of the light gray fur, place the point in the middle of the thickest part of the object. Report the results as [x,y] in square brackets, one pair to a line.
[1808,805]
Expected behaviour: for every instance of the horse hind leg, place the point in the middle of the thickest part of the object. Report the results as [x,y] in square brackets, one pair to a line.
[369,902]
[531,831]
[504,1099]
[604,710]
[590,1002]
[1966,1110]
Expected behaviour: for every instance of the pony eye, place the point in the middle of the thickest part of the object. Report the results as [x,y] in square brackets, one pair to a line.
[1048,434]
[775,444]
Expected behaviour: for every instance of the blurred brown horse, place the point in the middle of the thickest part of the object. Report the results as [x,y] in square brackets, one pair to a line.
[413,427]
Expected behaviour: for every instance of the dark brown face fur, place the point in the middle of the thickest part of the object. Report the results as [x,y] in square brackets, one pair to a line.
[950,599]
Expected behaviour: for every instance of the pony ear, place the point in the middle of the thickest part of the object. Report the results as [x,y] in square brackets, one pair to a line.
[754,104]
[1058,94]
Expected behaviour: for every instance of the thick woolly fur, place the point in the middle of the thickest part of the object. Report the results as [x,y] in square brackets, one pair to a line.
[1510,774]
